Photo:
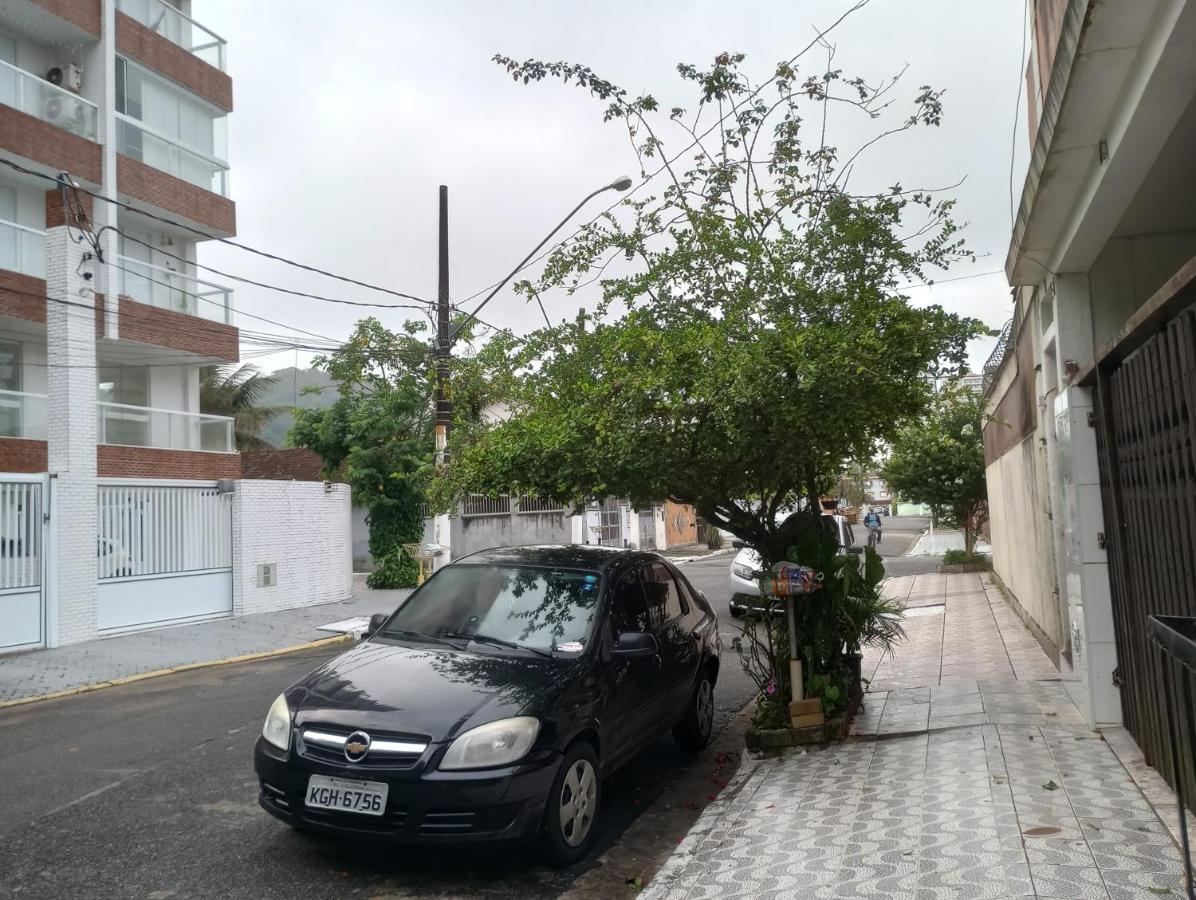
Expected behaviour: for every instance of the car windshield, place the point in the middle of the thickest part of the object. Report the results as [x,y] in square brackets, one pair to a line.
[541,609]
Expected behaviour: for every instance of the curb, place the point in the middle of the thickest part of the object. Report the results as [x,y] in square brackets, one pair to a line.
[172,670]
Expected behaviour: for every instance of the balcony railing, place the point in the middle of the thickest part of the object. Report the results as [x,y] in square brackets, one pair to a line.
[22,249]
[167,429]
[22,415]
[168,289]
[160,17]
[48,102]
[148,146]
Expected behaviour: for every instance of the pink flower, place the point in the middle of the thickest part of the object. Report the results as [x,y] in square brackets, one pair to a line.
[771,687]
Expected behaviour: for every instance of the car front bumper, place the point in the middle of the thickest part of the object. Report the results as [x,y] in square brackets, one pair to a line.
[429,806]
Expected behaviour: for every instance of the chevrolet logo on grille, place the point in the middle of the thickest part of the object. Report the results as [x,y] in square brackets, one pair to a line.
[357,745]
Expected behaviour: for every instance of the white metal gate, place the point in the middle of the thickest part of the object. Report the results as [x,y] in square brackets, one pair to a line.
[164,553]
[22,542]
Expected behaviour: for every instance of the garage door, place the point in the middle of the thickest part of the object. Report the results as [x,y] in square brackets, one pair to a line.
[22,538]
[164,554]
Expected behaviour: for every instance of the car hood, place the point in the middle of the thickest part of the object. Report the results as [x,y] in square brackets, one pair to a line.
[747,557]
[437,692]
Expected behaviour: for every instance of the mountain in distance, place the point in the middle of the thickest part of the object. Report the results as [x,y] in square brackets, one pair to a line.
[288,392]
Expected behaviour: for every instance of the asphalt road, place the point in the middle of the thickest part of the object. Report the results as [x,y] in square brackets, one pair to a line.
[148,791]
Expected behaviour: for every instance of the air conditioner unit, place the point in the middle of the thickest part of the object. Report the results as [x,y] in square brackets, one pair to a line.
[66,112]
[69,76]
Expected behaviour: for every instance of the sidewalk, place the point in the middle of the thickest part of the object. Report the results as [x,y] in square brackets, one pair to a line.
[970,774]
[40,672]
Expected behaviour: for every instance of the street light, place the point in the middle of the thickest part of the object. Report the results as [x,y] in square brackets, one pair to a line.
[622,183]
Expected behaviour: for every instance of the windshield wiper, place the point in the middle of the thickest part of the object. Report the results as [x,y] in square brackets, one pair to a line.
[496,641]
[420,636]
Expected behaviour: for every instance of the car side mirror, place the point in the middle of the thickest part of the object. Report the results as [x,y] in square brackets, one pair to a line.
[377,620]
[738,545]
[634,645]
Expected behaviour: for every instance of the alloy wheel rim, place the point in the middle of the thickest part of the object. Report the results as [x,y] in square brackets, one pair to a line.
[579,794]
[705,706]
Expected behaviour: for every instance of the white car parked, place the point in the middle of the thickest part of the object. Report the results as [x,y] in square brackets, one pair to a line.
[741,580]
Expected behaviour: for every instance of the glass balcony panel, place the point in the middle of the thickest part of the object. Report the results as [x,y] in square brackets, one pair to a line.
[37,97]
[22,415]
[168,429]
[167,20]
[22,249]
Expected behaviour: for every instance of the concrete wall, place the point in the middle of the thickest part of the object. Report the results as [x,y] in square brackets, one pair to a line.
[1126,273]
[360,529]
[473,533]
[1022,537]
[303,529]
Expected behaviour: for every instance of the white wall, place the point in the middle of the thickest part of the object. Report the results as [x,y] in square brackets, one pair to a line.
[301,528]
[1021,534]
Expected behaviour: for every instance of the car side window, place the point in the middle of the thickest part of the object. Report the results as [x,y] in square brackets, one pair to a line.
[628,610]
[665,602]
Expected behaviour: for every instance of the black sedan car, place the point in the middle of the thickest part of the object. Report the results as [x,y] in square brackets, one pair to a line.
[492,705]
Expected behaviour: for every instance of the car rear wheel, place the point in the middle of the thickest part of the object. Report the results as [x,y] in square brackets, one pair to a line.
[572,807]
[693,732]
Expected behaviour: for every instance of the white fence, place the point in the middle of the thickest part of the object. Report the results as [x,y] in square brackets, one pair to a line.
[151,530]
[22,611]
[20,534]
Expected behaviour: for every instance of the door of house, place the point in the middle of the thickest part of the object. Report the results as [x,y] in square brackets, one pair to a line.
[647,529]
[22,562]
[1146,430]
[164,553]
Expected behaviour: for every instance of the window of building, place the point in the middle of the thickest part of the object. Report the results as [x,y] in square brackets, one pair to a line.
[10,380]
[129,386]
[170,111]
[124,384]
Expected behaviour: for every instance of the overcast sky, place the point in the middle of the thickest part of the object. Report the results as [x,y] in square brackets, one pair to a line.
[349,115]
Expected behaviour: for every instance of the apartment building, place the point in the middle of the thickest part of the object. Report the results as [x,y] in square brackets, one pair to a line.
[122,505]
[1088,445]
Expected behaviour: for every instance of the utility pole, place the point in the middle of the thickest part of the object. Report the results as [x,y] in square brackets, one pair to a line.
[444,404]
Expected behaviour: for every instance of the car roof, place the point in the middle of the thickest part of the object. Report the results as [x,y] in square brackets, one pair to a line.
[574,556]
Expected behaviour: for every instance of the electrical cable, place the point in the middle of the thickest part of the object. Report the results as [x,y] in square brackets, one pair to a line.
[1021,79]
[263,284]
[214,237]
[216,302]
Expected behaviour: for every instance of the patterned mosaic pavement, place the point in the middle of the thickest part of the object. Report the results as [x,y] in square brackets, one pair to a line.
[971,775]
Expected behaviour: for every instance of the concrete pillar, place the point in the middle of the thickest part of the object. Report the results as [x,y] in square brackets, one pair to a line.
[71,387]
[1085,561]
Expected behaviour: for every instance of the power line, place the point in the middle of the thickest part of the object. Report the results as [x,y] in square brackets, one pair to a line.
[214,237]
[216,302]
[263,284]
[1021,79]
[933,282]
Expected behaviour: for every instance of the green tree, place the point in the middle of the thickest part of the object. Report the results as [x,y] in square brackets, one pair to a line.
[939,461]
[237,392]
[378,435]
[752,336]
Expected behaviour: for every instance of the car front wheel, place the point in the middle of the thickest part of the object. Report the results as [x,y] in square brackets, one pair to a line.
[572,807]
[693,732]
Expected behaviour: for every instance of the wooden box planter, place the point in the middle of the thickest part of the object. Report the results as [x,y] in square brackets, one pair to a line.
[771,740]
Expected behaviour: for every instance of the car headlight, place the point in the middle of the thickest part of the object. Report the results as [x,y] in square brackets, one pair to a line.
[742,571]
[277,728]
[494,744]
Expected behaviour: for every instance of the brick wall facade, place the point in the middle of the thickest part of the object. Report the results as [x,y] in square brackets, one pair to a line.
[179,331]
[22,296]
[137,42]
[151,462]
[20,455]
[47,144]
[304,530]
[56,212]
[288,464]
[85,14]
[174,195]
